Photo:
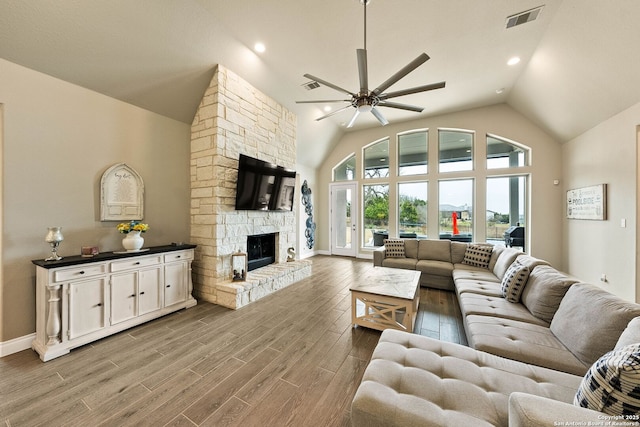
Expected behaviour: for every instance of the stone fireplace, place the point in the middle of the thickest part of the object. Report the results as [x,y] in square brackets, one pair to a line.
[233,118]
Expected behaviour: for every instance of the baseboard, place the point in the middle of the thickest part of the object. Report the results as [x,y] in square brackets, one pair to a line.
[17,344]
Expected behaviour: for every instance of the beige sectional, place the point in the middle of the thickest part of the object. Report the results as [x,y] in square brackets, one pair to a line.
[524,362]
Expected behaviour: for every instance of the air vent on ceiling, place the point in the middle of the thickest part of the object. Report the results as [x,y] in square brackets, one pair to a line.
[311,85]
[523,17]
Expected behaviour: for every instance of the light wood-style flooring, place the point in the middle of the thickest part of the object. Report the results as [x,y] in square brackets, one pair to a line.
[289,359]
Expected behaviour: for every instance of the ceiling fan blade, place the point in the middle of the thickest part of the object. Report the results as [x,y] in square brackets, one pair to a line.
[400,106]
[334,112]
[379,116]
[363,73]
[353,119]
[417,89]
[403,72]
[323,101]
[331,85]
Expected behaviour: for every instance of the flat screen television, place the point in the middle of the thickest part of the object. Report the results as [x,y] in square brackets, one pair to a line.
[264,186]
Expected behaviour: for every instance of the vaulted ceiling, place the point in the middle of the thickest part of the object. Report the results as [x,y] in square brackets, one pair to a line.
[579,62]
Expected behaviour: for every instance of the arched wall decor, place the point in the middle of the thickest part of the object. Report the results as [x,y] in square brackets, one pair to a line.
[121,194]
[310,230]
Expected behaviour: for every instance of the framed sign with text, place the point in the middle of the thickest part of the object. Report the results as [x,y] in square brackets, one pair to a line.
[121,194]
[587,203]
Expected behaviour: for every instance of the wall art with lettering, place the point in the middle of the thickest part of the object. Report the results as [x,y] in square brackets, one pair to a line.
[587,203]
[121,194]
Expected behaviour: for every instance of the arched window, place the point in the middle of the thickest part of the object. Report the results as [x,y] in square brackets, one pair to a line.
[345,171]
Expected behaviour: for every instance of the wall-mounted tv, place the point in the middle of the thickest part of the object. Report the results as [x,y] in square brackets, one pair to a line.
[264,186]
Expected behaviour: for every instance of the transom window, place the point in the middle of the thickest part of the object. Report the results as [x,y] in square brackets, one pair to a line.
[456,150]
[345,171]
[376,160]
[412,153]
[505,154]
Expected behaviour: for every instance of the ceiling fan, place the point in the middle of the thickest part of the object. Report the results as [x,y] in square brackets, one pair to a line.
[366,100]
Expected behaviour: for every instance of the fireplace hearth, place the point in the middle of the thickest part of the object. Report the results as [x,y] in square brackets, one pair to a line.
[261,250]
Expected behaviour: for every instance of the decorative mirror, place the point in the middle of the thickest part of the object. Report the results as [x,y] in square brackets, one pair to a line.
[121,194]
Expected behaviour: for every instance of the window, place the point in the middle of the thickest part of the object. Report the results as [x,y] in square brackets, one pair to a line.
[506,198]
[345,171]
[456,150]
[504,154]
[456,210]
[412,153]
[375,214]
[412,209]
[376,160]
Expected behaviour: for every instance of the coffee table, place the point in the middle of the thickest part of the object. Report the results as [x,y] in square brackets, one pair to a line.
[386,298]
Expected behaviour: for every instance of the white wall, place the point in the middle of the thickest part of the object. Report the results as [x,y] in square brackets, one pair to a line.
[501,120]
[606,154]
[58,140]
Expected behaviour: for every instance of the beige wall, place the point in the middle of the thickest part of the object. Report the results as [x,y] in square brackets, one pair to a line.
[58,140]
[500,120]
[606,154]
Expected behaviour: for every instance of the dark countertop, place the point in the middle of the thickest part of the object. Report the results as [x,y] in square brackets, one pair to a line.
[106,256]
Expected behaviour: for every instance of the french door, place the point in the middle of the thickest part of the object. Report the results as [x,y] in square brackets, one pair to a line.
[344,215]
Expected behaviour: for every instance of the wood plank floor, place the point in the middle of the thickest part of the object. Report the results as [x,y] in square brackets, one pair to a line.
[289,359]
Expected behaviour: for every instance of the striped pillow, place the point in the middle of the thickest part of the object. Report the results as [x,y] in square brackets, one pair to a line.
[394,248]
[478,255]
[612,384]
[514,281]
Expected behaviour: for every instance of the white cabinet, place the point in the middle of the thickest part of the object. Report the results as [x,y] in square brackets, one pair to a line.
[79,300]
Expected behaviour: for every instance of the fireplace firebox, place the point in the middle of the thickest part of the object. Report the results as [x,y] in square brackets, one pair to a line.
[261,250]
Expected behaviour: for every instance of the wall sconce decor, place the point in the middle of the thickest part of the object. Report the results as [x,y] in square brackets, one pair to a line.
[54,237]
[239,265]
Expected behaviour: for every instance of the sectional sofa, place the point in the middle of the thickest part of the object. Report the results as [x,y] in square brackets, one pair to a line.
[536,339]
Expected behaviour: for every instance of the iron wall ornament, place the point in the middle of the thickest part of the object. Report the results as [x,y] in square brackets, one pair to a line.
[310,230]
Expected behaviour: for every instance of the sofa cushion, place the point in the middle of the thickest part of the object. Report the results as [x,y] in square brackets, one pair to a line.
[411,248]
[464,271]
[590,321]
[514,281]
[521,341]
[484,305]
[406,263]
[612,384]
[458,250]
[504,261]
[478,255]
[531,262]
[394,248]
[495,254]
[630,335]
[435,250]
[481,287]
[545,289]
[437,268]
[414,380]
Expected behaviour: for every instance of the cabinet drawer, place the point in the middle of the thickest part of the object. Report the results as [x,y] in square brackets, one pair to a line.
[178,256]
[135,263]
[79,272]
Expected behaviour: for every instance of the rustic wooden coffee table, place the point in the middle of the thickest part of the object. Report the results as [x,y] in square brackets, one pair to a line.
[386,298]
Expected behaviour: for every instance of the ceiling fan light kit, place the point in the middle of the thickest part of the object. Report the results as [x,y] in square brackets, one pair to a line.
[365,100]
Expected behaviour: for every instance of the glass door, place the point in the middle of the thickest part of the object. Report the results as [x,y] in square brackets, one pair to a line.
[344,204]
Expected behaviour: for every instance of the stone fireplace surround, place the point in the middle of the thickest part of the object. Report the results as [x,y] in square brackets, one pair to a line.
[233,118]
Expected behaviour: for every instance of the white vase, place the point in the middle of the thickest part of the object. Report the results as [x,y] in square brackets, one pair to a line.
[133,241]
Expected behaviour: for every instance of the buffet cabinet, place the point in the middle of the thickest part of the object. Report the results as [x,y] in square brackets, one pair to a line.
[80,300]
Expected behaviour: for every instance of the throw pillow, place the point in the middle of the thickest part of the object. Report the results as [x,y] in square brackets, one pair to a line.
[478,255]
[612,384]
[394,248]
[514,280]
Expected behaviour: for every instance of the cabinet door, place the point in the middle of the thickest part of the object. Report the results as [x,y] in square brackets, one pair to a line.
[149,290]
[175,283]
[87,311]
[123,297]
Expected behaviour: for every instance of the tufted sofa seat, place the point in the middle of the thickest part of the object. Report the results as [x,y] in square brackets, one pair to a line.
[413,380]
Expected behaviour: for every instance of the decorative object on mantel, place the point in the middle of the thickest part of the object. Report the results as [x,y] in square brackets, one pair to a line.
[54,237]
[121,194]
[239,266]
[310,231]
[89,251]
[291,254]
[587,203]
[133,241]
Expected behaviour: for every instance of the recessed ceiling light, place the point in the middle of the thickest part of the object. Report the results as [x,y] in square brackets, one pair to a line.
[259,47]
[327,108]
[499,91]
[513,61]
